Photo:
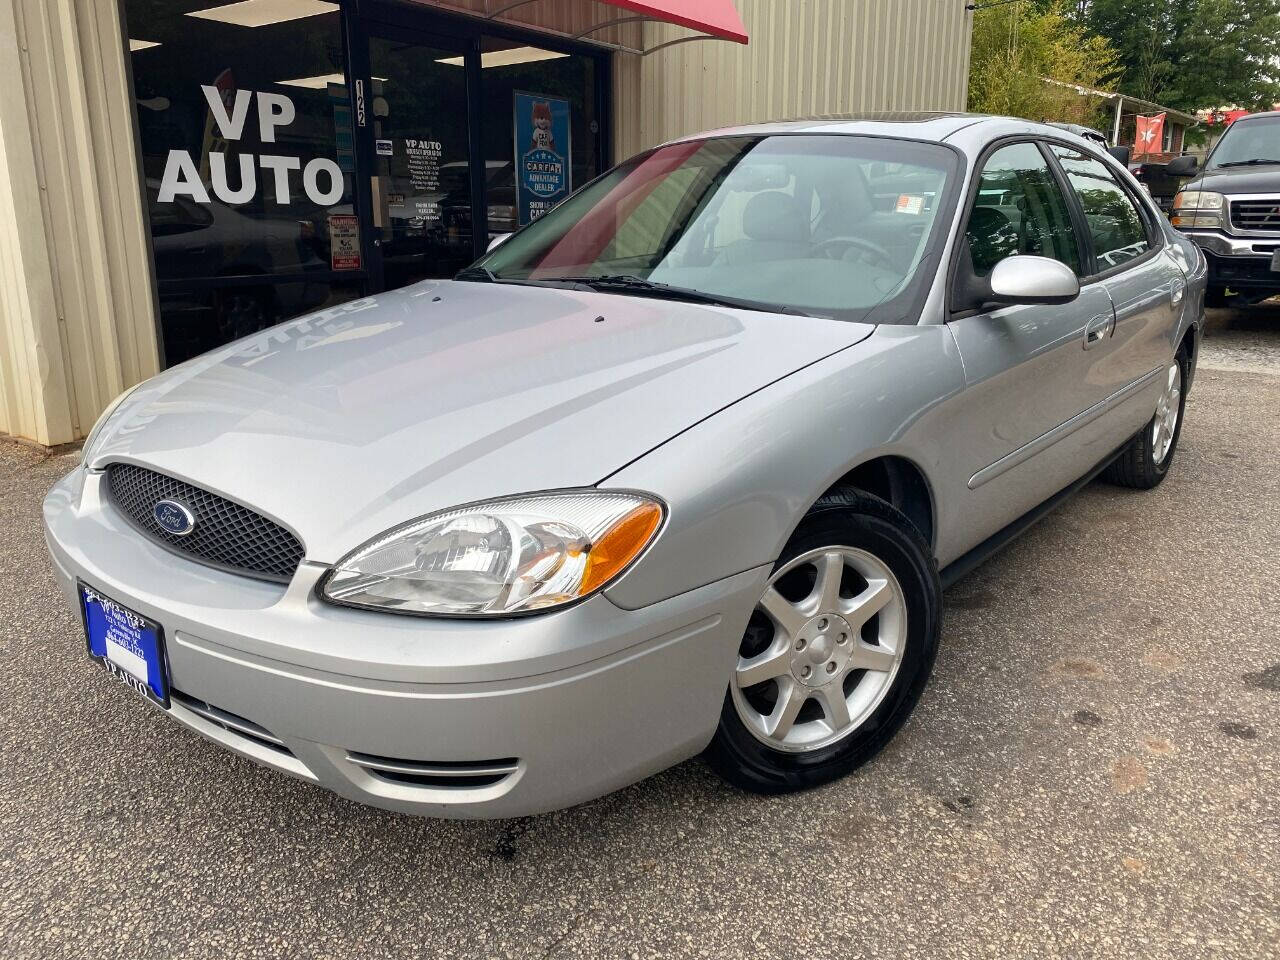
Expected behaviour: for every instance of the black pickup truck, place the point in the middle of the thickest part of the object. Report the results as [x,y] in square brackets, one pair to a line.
[1232,210]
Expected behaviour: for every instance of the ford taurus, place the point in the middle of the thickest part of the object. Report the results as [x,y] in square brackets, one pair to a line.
[682,467]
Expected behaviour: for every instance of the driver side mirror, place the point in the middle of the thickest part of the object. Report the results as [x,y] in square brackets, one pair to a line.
[1029,279]
[1182,166]
[1121,153]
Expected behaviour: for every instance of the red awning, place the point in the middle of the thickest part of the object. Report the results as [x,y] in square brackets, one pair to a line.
[719,18]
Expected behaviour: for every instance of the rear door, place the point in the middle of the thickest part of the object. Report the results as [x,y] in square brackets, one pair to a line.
[1144,283]
[1016,435]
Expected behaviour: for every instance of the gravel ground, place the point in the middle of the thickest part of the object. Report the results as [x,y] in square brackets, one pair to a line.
[1243,340]
[1092,773]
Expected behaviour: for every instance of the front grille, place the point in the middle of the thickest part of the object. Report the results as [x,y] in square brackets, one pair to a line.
[1256,214]
[226,535]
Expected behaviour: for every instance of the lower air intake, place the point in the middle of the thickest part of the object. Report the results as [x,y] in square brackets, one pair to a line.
[438,774]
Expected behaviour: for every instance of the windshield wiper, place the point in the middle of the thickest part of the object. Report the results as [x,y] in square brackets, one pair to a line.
[625,283]
[476,273]
[1247,163]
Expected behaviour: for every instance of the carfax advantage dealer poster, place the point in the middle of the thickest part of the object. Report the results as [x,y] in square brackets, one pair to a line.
[544,173]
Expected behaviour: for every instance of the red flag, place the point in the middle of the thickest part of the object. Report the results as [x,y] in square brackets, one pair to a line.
[1150,137]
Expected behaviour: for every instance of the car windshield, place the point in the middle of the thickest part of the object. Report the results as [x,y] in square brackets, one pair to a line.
[1248,142]
[832,225]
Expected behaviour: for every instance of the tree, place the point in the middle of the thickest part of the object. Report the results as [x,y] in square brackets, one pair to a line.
[1189,54]
[1016,46]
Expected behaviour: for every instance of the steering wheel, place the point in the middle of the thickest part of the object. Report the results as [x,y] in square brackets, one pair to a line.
[826,248]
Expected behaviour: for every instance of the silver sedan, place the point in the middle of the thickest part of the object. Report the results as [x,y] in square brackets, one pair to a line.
[682,467]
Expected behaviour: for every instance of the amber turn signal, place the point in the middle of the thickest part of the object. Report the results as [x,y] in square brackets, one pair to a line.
[619,545]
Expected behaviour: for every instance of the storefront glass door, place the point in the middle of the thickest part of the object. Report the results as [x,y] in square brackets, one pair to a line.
[420,183]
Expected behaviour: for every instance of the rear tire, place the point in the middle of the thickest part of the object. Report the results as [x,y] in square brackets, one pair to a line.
[837,651]
[1145,461]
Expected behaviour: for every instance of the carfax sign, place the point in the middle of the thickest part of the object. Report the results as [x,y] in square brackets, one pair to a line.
[543,170]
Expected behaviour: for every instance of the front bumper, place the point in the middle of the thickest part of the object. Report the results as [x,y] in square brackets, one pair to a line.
[1238,262]
[444,718]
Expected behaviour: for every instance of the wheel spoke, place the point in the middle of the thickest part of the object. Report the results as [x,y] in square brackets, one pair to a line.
[869,602]
[826,588]
[774,662]
[786,615]
[791,697]
[836,707]
[868,656]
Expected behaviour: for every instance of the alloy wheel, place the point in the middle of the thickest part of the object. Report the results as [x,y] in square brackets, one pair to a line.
[821,650]
[1167,410]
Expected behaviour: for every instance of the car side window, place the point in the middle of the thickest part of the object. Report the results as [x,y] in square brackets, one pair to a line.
[1119,235]
[1020,208]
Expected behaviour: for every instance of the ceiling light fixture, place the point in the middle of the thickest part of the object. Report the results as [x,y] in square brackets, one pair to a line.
[507,58]
[261,13]
[321,82]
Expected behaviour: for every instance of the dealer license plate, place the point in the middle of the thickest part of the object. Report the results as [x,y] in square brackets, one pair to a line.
[128,645]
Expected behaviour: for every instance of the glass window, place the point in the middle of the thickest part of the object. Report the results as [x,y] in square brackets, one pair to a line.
[1020,209]
[422,168]
[248,163]
[835,225]
[1119,235]
[1248,141]
[510,68]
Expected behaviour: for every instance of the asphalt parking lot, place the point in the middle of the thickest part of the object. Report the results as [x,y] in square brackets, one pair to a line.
[1094,772]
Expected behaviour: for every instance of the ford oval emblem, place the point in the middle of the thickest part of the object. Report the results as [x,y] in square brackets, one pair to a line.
[174,517]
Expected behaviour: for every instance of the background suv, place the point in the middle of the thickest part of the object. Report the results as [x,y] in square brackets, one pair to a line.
[1232,210]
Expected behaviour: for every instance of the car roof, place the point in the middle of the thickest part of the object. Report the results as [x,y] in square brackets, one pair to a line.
[1089,133]
[916,125]
[1262,115]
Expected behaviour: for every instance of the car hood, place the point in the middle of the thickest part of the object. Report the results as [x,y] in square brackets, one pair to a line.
[1259,179]
[349,421]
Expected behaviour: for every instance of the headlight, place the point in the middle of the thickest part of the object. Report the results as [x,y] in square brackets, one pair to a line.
[1198,208]
[95,433]
[503,557]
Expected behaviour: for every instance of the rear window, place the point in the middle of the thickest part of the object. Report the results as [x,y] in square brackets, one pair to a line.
[1115,224]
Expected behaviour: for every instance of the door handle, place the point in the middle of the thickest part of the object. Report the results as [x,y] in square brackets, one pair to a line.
[1096,330]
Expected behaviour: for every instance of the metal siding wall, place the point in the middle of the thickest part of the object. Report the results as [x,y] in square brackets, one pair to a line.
[32,386]
[79,321]
[806,57]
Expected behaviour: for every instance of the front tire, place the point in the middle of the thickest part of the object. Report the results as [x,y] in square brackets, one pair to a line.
[1144,463]
[837,652]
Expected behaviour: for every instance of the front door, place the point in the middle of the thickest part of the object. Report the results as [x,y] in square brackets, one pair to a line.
[1020,432]
[420,191]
